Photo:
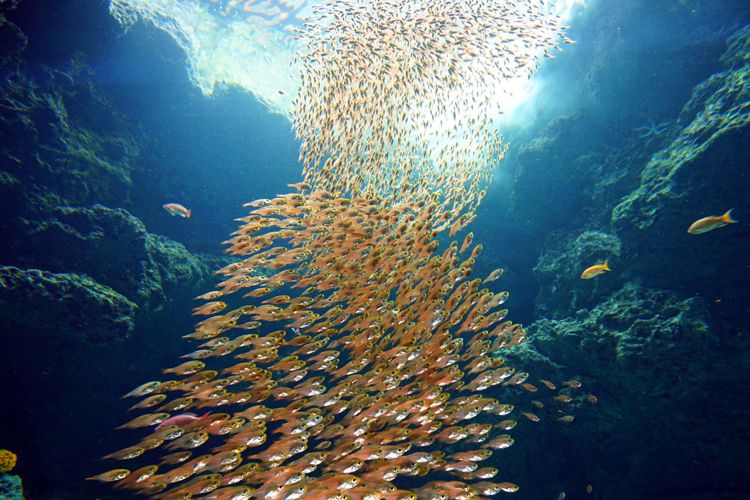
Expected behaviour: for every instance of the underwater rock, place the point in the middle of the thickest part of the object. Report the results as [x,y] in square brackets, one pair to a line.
[655,363]
[712,123]
[634,331]
[561,290]
[46,304]
[11,487]
[63,138]
[63,142]
[114,248]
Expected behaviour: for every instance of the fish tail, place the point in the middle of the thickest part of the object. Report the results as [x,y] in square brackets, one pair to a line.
[605,265]
[188,214]
[727,217]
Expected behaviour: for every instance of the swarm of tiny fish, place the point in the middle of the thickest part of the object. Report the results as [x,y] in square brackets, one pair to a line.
[362,356]
[397,98]
[344,355]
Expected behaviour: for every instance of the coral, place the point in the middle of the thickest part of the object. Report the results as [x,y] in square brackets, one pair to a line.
[46,304]
[561,289]
[11,487]
[7,460]
[711,122]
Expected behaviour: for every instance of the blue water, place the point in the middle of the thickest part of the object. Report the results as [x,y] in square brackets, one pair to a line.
[671,426]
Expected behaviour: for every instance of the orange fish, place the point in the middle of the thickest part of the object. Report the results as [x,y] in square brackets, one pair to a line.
[177,209]
[595,270]
[711,222]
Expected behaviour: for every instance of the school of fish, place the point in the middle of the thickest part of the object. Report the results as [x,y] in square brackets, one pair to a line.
[361,354]
[345,354]
[396,98]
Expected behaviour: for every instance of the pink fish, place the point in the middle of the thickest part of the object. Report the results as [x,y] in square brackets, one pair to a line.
[180,420]
[177,209]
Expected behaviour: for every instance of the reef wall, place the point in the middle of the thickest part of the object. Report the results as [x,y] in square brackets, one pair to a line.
[86,291]
[662,339]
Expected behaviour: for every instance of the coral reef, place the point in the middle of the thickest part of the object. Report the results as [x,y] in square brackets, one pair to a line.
[45,304]
[68,156]
[11,487]
[657,336]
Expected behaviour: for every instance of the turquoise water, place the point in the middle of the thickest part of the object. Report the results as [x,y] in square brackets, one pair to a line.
[617,145]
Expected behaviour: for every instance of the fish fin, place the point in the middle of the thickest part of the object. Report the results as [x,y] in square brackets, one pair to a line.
[605,265]
[727,217]
[188,214]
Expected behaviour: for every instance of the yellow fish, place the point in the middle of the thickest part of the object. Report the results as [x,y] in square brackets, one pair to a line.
[710,223]
[595,270]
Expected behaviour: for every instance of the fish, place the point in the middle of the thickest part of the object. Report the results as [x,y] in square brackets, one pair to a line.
[711,222]
[508,487]
[178,210]
[551,386]
[209,308]
[187,368]
[573,383]
[110,476]
[501,442]
[146,420]
[143,389]
[381,342]
[180,420]
[494,275]
[595,270]
[149,402]
[126,454]
[531,416]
